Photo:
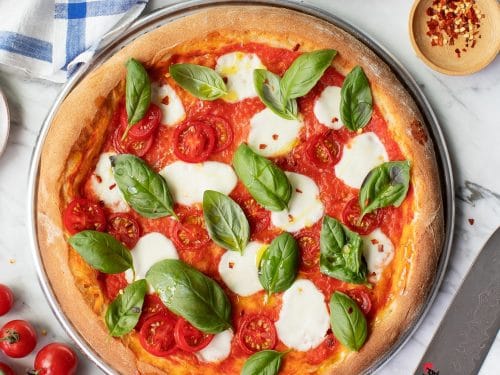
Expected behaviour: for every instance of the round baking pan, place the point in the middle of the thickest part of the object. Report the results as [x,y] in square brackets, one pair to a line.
[119,38]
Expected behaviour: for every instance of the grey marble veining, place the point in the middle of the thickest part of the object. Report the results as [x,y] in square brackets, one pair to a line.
[468,109]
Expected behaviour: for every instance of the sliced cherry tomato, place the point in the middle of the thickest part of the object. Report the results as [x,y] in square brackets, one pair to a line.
[258,217]
[82,214]
[124,228]
[146,127]
[323,351]
[362,299]
[189,338]
[256,333]
[153,306]
[194,141]
[138,147]
[309,250]
[56,359]
[17,338]
[189,232]
[352,213]
[323,150]
[157,335]
[6,299]
[224,134]
[6,369]
[112,284]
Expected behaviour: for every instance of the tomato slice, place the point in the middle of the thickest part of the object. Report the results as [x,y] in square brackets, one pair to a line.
[189,233]
[352,213]
[157,335]
[189,338]
[224,134]
[130,145]
[256,333]
[146,127]
[258,217]
[82,214]
[124,228]
[323,150]
[194,141]
[152,306]
[323,351]
[362,299]
[112,284]
[309,250]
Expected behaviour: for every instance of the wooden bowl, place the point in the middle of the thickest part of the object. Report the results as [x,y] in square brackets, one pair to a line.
[444,58]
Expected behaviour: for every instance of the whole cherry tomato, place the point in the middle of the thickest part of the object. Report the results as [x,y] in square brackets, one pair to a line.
[17,338]
[6,299]
[56,359]
[5,369]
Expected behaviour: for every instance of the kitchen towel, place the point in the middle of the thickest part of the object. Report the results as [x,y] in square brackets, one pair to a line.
[49,39]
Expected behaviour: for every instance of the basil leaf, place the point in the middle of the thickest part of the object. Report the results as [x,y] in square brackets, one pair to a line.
[226,223]
[384,186]
[201,81]
[267,85]
[341,252]
[123,313]
[347,321]
[264,180]
[144,189]
[265,362]
[279,264]
[305,72]
[137,92]
[102,251]
[356,100]
[189,293]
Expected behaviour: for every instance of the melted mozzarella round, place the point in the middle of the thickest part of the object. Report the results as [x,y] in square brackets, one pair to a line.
[304,208]
[166,98]
[218,349]
[240,271]
[104,185]
[188,181]
[304,318]
[238,68]
[360,155]
[272,135]
[327,108]
[378,251]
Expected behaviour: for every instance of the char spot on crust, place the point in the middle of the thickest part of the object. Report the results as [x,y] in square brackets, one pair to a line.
[418,132]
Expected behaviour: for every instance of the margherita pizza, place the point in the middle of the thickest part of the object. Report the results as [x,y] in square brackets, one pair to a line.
[243,189]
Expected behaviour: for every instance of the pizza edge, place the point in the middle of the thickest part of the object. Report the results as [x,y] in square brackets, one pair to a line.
[85,113]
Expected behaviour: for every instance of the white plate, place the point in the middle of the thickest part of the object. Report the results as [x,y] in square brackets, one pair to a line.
[4,122]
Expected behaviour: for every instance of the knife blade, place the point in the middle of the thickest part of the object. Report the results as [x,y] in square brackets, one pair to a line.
[472,321]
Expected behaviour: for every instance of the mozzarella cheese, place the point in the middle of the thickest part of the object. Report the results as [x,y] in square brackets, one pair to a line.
[240,271]
[238,68]
[304,208]
[378,251]
[360,155]
[304,319]
[272,135]
[150,248]
[166,98]
[188,181]
[218,349]
[327,108]
[104,185]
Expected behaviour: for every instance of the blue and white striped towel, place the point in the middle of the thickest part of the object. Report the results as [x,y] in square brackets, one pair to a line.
[49,39]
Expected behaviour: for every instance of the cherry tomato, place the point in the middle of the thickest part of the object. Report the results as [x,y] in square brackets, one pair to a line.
[138,147]
[146,127]
[308,242]
[152,306]
[258,217]
[189,233]
[124,228]
[323,351]
[56,359]
[256,333]
[17,338]
[112,284]
[82,214]
[362,299]
[189,338]
[194,141]
[5,369]
[223,131]
[352,213]
[6,299]
[323,150]
[157,335]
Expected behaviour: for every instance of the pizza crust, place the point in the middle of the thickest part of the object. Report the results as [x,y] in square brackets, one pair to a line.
[71,144]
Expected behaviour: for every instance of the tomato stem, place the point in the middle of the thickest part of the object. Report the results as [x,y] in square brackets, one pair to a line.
[125,133]
[12,337]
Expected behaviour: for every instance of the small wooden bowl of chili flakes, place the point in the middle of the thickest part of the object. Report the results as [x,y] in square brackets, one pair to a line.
[455,37]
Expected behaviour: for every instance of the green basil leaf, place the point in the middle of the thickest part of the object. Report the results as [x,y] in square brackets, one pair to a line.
[123,313]
[189,293]
[137,91]
[347,321]
[384,186]
[226,223]
[102,251]
[201,81]
[265,362]
[279,264]
[356,100]
[267,85]
[305,72]
[144,189]
[341,252]
[264,180]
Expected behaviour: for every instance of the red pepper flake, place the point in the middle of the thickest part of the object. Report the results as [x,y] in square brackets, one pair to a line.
[165,100]
[374,241]
[350,310]
[471,221]
[290,218]
[296,48]
[262,146]
[231,265]
[275,137]
[111,187]
[298,190]
[380,248]
[335,119]
[98,178]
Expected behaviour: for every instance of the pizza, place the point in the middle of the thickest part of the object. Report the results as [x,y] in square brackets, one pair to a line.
[243,189]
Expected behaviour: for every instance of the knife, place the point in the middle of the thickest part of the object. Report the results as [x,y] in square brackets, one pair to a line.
[472,321]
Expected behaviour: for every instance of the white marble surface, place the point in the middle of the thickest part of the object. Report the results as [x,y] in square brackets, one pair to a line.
[467,108]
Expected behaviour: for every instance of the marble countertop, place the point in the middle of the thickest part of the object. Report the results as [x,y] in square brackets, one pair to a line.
[468,109]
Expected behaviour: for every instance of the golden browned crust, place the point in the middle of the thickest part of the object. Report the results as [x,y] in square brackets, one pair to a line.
[73,143]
